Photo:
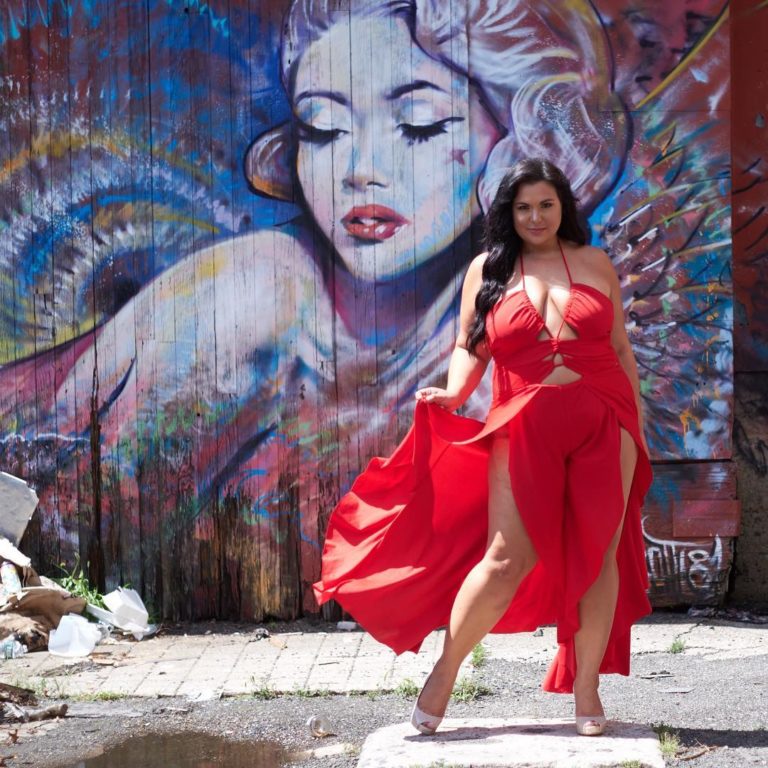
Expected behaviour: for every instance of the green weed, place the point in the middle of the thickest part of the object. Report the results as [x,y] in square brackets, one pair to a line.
[261,690]
[312,693]
[678,646]
[669,741]
[99,696]
[468,690]
[407,688]
[77,584]
[479,656]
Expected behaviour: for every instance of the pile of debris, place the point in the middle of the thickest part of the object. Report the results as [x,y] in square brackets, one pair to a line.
[30,605]
[37,613]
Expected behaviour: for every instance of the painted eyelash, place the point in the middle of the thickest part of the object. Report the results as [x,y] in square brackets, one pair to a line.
[318,136]
[414,134]
[418,134]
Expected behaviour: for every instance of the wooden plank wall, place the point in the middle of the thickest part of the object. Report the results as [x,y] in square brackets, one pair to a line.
[199,352]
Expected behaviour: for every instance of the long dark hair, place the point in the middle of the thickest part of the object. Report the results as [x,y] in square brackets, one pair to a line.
[504,244]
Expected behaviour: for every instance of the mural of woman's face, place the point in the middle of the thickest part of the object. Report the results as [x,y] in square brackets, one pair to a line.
[385,159]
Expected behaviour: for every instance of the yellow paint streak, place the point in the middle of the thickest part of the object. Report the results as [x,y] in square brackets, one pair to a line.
[703,248]
[199,223]
[662,192]
[683,211]
[564,78]
[715,288]
[683,65]
[687,419]
[59,143]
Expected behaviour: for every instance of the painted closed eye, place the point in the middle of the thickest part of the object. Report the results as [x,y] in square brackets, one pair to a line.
[317,135]
[418,134]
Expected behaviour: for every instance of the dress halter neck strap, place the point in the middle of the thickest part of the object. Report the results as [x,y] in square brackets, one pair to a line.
[565,262]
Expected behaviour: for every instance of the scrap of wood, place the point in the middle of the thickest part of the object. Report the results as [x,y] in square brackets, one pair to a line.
[15,712]
[17,695]
[702,751]
[58,710]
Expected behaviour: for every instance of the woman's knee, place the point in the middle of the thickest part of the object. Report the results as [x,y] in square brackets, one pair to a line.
[507,571]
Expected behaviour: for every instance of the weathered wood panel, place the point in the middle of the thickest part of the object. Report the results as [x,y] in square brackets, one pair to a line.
[208,327]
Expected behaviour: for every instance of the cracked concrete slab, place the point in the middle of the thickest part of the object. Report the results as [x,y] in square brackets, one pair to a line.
[518,743]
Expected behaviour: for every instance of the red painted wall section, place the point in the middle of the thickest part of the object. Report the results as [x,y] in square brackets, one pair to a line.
[749,136]
[749,84]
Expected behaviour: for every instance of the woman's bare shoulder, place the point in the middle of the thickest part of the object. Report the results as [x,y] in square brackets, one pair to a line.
[475,268]
[592,258]
[473,278]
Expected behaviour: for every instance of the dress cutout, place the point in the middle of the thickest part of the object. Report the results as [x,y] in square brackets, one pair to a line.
[401,541]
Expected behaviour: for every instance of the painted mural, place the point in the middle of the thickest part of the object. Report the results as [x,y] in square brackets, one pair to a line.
[233,236]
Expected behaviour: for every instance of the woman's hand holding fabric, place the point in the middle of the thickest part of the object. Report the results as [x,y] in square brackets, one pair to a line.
[438,396]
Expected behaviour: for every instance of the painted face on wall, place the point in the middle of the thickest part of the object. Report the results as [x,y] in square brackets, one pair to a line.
[385,159]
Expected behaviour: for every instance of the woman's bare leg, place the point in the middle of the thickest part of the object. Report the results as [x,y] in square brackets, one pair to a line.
[489,586]
[598,605]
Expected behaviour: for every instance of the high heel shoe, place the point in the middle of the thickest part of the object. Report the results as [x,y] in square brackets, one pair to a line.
[592,725]
[422,721]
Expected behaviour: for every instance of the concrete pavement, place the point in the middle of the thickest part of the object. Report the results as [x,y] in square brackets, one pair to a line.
[226,661]
[214,661]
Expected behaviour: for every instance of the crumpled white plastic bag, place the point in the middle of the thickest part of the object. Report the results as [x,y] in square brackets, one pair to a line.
[75,636]
[126,612]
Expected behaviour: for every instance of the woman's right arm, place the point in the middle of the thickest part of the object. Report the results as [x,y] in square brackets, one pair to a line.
[465,370]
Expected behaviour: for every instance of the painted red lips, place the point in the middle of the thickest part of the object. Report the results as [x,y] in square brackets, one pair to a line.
[373,222]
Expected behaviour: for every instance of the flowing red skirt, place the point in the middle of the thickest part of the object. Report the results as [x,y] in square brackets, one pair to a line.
[401,541]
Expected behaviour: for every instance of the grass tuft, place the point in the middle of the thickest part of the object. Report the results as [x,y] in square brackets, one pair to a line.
[468,690]
[263,691]
[678,646]
[99,696]
[407,688]
[669,741]
[312,693]
[479,656]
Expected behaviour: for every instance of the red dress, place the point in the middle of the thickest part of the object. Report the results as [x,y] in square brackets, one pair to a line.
[401,541]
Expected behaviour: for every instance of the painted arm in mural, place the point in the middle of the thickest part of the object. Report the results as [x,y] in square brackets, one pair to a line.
[465,369]
[209,331]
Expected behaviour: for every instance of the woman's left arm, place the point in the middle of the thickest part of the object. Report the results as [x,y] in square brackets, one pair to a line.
[622,345]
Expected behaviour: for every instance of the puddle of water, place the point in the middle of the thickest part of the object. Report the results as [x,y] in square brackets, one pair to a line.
[188,750]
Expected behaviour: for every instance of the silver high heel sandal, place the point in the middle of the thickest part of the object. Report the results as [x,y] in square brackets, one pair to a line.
[592,725]
[422,721]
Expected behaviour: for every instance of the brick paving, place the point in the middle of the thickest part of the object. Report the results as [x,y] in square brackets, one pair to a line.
[239,663]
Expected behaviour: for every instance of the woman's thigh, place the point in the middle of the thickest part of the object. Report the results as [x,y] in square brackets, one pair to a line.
[507,536]
[627,462]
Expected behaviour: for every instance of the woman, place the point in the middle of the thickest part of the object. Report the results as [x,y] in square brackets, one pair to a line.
[567,468]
